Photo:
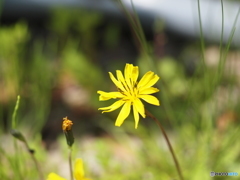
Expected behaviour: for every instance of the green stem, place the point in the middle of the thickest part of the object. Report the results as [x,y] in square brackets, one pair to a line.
[221,40]
[37,166]
[201,35]
[229,42]
[168,143]
[14,124]
[70,162]
[17,159]
[31,152]
[137,31]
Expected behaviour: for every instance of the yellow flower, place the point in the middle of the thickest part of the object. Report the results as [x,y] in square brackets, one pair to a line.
[78,172]
[130,91]
[53,176]
[67,124]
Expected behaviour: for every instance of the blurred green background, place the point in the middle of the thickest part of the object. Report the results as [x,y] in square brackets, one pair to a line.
[57,71]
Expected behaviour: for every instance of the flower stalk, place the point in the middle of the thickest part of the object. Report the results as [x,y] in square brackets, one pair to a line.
[70,162]
[78,171]
[168,144]
[130,92]
[67,130]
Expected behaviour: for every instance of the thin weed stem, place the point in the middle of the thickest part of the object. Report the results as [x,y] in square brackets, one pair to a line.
[221,60]
[223,55]
[32,153]
[14,122]
[37,166]
[137,31]
[201,35]
[168,143]
[15,144]
[230,39]
[17,160]
[70,162]
[207,81]
[222,31]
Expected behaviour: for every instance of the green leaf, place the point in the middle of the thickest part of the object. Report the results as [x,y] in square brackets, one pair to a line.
[17,134]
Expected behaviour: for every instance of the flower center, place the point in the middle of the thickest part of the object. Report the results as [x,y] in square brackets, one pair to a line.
[131,93]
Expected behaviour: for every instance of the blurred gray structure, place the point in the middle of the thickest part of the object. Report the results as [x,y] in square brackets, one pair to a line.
[182,17]
[179,16]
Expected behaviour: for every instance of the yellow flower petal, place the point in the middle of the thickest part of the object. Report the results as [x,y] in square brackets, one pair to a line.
[145,79]
[113,107]
[53,176]
[136,116]
[122,80]
[152,81]
[135,74]
[78,170]
[150,99]
[124,113]
[139,106]
[109,95]
[127,74]
[149,90]
[116,82]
